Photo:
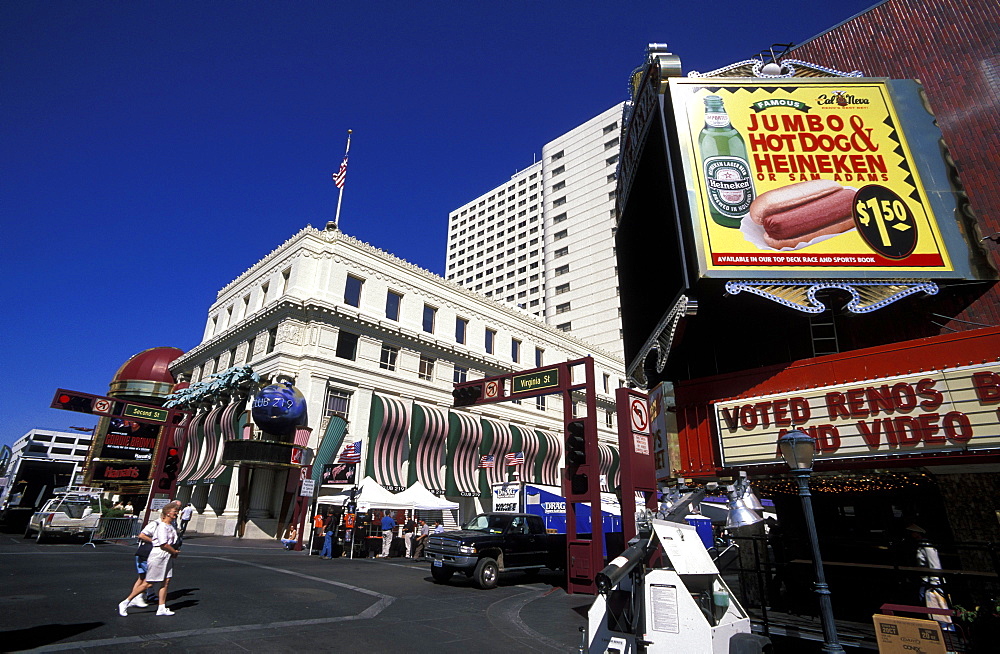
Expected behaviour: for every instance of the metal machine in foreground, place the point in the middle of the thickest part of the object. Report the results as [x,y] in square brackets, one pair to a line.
[665,594]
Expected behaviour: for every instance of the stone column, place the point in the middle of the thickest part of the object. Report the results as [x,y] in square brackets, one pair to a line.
[261,492]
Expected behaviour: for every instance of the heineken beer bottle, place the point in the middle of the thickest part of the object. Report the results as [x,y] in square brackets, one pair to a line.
[728,179]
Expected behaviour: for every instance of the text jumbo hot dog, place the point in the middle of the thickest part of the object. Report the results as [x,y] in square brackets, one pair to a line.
[800,212]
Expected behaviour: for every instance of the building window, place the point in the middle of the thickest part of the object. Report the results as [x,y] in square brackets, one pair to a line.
[559,171]
[562,308]
[272,337]
[286,274]
[610,161]
[607,383]
[539,356]
[347,345]
[263,293]
[558,186]
[610,144]
[461,326]
[490,338]
[250,345]
[557,156]
[461,374]
[609,419]
[337,403]
[392,302]
[429,315]
[515,350]
[561,252]
[562,270]
[562,288]
[565,327]
[558,219]
[387,361]
[540,402]
[610,128]
[426,371]
[561,234]
[558,202]
[352,291]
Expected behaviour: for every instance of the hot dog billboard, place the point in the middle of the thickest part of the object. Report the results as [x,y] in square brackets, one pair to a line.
[814,175]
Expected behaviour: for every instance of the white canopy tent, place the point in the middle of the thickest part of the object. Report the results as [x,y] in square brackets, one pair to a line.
[418,497]
[370,494]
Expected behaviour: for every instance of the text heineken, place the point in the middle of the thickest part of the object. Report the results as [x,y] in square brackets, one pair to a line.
[728,178]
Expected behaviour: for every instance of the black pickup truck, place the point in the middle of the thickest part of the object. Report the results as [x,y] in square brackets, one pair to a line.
[492,543]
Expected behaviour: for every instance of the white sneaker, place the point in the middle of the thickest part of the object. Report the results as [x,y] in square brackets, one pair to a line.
[123,608]
[163,610]
[139,601]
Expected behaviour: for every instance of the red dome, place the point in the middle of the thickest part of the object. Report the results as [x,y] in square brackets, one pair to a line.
[146,375]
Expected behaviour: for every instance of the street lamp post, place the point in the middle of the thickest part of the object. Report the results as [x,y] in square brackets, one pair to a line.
[797,449]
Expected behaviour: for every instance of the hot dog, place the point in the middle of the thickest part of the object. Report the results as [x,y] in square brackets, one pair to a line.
[800,212]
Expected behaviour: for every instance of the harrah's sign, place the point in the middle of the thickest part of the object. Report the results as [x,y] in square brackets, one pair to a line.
[951,409]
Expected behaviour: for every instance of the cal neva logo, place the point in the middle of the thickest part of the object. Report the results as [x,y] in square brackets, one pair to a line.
[841,99]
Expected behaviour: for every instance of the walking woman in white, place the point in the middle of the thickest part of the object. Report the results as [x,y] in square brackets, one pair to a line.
[160,567]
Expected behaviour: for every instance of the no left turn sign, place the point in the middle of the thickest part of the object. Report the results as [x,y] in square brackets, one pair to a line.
[639,414]
[492,389]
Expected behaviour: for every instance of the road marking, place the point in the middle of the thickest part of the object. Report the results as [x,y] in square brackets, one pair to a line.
[507,612]
[383,602]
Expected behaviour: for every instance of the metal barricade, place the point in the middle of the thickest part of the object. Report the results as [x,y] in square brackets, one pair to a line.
[123,529]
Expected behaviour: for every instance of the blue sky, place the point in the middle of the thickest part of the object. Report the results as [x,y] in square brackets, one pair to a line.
[153,151]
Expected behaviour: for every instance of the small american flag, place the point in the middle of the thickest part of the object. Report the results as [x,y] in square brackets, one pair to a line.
[341,175]
[514,458]
[486,461]
[351,453]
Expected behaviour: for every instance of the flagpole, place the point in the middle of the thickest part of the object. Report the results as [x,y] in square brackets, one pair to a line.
[340,196]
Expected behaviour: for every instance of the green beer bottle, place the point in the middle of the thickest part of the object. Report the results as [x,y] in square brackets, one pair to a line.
[728,179]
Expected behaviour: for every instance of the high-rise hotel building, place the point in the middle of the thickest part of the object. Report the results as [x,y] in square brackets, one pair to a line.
[544,240]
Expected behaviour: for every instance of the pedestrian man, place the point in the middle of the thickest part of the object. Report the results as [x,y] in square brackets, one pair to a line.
[438,527]
[186,514]
[388,524]
[423,532]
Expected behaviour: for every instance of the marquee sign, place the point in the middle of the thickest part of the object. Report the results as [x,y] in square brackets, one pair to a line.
[813,175]
[936,411]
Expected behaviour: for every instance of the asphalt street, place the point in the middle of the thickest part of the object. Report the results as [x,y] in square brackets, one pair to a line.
[232,595]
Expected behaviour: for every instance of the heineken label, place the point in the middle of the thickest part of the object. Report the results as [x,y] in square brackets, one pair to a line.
[720,119]
[730,187]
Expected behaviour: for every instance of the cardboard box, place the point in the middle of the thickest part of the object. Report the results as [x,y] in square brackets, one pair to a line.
[898,635]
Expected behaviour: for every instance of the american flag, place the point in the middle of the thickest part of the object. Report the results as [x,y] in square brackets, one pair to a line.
[351,453]
[486,461]
[514,458]
[341,175]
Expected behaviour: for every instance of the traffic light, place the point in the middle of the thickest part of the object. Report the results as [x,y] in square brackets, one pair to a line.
[576,456]
[171,466]
[73,402]
[467,395]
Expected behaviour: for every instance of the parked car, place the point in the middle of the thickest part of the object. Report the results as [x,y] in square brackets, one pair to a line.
[74,511]
[492,543]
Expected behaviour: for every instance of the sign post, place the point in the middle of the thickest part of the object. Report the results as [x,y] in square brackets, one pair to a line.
[582,478]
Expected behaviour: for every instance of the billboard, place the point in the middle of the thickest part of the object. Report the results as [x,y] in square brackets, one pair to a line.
[951,409]
[828,177]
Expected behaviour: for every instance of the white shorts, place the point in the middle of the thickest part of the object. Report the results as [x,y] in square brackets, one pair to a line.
[161,565]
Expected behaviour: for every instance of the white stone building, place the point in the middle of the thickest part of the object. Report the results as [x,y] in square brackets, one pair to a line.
[544,241]
[375,344]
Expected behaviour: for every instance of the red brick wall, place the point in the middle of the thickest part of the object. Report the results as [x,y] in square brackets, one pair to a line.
[953,48]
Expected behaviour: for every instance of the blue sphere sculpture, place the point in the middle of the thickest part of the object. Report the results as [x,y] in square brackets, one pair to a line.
[278,409]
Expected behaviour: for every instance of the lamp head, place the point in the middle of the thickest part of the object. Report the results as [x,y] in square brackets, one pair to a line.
[797,449]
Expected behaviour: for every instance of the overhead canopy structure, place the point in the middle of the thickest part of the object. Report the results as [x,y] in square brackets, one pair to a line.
[370,494]
[418,497]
